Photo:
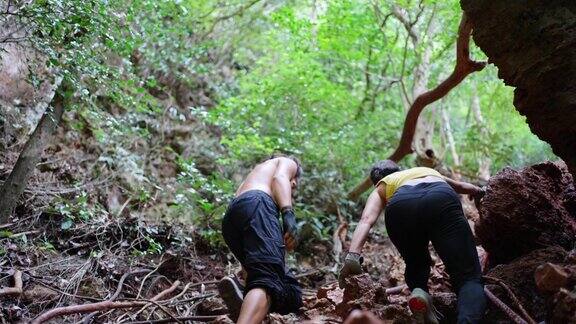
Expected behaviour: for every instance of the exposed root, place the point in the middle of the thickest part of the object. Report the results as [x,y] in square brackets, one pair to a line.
[17,289]
[512,296]
[504,308]
[101,306]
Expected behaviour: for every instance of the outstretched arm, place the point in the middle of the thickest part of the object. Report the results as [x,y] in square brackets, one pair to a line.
[353,261]
[464,188]
[373,208]
[281,189]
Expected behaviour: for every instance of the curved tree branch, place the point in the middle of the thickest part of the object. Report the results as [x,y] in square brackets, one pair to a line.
[464,66]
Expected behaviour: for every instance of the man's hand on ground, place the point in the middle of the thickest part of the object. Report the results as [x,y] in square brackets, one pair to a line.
[352,266]
[290,228]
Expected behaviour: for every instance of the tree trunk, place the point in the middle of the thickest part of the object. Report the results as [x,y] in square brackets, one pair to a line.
[14,186]
[424,135]
[484,160]
[451,143]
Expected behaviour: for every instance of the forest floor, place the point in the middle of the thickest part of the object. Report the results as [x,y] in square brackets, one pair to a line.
[67,273]
[59,259]
[148,271]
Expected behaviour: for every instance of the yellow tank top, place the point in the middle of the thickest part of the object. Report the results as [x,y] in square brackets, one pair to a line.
[395,180]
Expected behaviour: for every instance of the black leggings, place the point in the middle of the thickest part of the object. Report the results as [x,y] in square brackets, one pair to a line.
[416,215]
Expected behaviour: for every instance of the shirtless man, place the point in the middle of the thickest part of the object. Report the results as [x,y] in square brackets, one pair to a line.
[422,206]
[252,231]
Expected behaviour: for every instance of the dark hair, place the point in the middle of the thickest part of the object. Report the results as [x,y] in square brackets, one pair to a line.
[381,169]
[299,170]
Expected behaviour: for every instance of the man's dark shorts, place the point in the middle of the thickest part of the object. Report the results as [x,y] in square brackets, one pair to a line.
[252,231]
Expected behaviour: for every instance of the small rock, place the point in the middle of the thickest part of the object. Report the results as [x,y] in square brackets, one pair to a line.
[331,292]
[550,277]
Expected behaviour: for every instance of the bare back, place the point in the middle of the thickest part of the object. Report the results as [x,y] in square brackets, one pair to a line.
[276,177]
[260,178]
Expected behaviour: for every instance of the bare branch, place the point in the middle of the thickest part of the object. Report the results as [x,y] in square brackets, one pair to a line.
[402,16]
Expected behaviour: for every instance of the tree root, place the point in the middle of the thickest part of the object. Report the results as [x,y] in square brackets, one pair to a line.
[515,300]
[504,308]
[102,306]
[17,289]
[89,317]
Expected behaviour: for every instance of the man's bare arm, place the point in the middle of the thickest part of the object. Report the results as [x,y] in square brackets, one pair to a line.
[281,189]
[373,208]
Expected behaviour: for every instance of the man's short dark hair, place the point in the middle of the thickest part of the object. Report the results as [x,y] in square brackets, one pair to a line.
[299,169]
[382,169]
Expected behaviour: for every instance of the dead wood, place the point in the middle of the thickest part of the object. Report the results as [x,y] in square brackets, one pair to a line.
[464,66]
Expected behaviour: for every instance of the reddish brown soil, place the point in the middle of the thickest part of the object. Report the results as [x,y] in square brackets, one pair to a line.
[527,210]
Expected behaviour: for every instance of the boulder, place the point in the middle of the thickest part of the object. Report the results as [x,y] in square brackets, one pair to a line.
[526,210]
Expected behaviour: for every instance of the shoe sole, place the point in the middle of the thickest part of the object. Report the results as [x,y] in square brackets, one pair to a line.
[419,308]
[232,297]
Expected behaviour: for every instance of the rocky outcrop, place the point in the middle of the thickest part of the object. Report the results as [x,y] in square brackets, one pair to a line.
[527,210]
[533,44]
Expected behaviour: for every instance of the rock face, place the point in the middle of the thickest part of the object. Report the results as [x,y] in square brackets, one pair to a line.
[533,44]
[527,210]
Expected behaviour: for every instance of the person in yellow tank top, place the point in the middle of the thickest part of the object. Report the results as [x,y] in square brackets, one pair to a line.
[422,206]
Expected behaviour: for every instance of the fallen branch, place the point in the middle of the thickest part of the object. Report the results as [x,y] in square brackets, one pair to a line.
[504,308]
[101,306]
[17,289]
[464,66]
[515,299]
[16,235]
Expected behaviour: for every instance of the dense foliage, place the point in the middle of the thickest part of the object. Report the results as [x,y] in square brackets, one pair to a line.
[329,81]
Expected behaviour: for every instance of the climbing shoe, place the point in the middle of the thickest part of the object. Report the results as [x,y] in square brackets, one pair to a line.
[423,311]
[230,291]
